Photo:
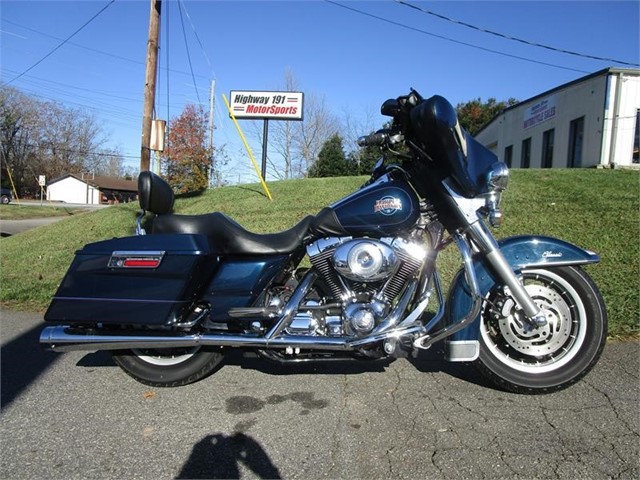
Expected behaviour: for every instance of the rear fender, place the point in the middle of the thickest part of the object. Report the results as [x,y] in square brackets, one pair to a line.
[525,251]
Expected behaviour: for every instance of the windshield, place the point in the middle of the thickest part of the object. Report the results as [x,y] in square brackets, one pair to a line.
[436,129]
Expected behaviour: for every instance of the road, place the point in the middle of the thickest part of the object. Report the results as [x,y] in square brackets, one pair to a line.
[12,227]
[77,416]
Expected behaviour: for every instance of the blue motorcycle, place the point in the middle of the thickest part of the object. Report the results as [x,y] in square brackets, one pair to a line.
[354,281]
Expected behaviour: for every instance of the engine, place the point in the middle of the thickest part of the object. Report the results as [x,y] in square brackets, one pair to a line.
[360,279]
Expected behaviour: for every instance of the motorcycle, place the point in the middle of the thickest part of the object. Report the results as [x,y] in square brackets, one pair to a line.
[170,301]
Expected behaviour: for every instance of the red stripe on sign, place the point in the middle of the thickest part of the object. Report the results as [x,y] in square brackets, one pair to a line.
[141,262]
[292,100]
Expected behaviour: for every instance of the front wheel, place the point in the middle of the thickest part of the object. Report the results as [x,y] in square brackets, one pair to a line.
[169,367]
[520,359]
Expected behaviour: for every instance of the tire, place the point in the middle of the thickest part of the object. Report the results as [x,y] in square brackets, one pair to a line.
[168,367]
[5,200]
[548,358]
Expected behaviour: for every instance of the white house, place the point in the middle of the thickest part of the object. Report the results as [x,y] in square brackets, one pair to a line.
[91,190]
[592,121]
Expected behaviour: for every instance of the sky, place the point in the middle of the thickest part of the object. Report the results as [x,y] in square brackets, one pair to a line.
[354,55]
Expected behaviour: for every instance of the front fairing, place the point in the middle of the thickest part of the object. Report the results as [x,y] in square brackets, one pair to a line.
[457,154]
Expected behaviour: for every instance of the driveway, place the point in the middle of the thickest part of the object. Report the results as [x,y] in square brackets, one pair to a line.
[76,415]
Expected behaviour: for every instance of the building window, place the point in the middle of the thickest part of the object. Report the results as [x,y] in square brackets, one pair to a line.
[508,155]
[576,132]
[525,156]
[547,148]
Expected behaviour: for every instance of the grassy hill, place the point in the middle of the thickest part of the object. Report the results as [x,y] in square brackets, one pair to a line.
[595,209]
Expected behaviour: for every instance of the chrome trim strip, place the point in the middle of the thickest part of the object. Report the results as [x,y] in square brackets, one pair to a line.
[139,253]
[119,257]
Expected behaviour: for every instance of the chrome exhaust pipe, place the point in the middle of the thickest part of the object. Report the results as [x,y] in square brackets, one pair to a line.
[60,339]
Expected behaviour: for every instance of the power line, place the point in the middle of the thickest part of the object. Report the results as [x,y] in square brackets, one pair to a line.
[515,39]
[62,43]
[96,153]
[90,49]
[197,37]
[424,32]
[186,44]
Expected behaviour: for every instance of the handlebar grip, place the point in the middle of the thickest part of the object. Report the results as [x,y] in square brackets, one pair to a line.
[374,139]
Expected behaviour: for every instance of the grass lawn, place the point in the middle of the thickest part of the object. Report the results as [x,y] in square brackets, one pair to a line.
[595,209]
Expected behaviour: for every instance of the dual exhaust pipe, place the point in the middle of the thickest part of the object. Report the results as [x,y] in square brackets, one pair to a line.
[62,338]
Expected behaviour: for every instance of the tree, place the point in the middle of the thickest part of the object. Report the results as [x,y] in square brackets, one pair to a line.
[47,138]
[186,156]
[363,159]
[311,134]
[297,143]
[332,161]
[475,114]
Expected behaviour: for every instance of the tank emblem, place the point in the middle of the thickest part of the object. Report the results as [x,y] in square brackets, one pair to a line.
[387,205]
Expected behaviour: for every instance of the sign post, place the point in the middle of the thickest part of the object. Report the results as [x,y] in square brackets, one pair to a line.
[42,181]
[256,105]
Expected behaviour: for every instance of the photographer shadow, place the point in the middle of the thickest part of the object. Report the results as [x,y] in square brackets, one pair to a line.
[220,456]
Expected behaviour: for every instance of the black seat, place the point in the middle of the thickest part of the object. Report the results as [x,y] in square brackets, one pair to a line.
[229,237]
[226,235]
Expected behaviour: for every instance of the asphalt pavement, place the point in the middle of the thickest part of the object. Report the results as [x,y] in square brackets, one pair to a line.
[12,227]
[76,415]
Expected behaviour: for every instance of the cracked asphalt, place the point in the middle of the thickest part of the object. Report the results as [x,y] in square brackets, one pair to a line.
[76,415]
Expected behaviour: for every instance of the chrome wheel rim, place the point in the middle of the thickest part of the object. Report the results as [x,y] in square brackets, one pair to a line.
[542,349]
[166,357]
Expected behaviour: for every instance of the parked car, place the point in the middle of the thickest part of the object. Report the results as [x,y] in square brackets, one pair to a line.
[5,195]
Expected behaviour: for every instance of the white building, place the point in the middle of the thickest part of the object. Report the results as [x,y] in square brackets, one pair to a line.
[592,121]
[91,190]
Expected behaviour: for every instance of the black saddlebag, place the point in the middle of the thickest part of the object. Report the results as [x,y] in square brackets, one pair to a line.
[141,280]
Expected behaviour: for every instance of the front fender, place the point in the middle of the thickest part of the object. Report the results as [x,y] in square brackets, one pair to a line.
[525,251]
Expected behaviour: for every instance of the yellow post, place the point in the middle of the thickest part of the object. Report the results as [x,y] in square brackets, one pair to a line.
[13,186]
[246,145]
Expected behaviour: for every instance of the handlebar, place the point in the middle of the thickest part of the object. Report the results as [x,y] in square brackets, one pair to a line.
[381,138]
[374,139]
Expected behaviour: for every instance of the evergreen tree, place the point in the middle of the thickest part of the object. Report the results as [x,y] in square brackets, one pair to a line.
[332,161]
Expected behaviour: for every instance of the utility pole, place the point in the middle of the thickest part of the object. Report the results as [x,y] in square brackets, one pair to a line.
[150,83]
[211,105]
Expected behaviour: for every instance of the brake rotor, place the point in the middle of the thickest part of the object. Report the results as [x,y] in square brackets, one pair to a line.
[541,341]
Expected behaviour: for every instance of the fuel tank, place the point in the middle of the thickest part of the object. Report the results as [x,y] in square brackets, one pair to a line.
[385,207]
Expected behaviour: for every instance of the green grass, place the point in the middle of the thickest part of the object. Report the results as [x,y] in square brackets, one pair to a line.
[595,209]
[14,211]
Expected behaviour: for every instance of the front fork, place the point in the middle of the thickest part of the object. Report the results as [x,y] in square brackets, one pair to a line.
[488,246]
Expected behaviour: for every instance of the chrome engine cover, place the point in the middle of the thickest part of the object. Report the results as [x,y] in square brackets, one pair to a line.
[365,260]
[364,276]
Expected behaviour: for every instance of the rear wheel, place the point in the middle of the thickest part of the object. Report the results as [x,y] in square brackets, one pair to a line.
[548,358]
[169,367]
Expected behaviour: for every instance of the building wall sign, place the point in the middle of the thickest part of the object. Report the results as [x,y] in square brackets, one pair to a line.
[539,112]
[270,105]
